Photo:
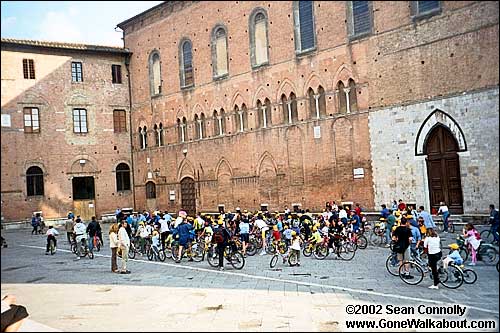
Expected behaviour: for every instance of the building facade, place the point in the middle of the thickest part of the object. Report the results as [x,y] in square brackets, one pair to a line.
[296,103]
[65,130]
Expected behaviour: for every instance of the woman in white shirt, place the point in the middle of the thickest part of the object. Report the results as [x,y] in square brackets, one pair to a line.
[433,244]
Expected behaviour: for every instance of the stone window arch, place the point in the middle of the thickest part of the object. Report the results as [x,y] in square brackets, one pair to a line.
[158,130]
[312,103]
[34,181]
[150,190]
[352,97]
[222,120]
[143,137]
[181,130]
[203,129]
[155,73]
[220,63]
[304,26]
[184,129]
[186,63]
[322,102]
[122,177]
[259,37]
[267,105]
[197,127]
[216,123]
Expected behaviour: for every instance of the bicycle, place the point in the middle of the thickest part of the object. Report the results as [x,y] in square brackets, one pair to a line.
[52,246]
[470,276]
[359,239]
[343,248]
[392,262]
[231,254]
[377,236]
[195,251]
[451,278]
[275,257]
[156,253]
[488,235]
[451,226]
[86,251]
[486,252]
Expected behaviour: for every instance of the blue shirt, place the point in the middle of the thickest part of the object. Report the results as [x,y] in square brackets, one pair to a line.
[428,221]
[280,225]
[167,217]
[355,223]
[455,255]
[415,233]
[384,212]
[244,228]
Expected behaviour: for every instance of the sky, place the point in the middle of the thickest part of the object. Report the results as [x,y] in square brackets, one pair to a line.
[87,22]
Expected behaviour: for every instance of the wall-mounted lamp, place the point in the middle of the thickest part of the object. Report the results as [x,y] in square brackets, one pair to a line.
[82,162]
[185,152]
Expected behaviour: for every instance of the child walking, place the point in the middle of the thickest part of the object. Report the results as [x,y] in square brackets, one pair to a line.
[296,241]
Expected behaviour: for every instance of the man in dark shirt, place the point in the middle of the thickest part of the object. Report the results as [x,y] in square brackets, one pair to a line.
[92,229]
[403,237]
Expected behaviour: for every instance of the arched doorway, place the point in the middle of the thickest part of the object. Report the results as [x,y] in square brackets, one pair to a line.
[443,169]
[188,195]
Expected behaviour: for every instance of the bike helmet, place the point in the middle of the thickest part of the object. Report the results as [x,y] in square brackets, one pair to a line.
[182,213]
[454,246]
[315,228]
[294,233]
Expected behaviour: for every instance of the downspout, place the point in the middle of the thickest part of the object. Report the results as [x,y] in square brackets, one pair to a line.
[127,65]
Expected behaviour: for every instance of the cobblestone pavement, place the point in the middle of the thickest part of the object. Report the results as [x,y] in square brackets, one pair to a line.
[84,295]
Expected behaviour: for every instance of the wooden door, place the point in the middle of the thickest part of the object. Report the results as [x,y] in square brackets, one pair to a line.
[443,170]
[84,197]
[188,196]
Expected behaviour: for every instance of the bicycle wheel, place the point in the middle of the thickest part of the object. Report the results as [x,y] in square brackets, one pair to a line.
[175,251]
[345,253]
[73,248]
[469,276]
[237,260]
[451,227]
[490,256]
[321,251]
[307,251]
[251,248]
[270,248]
[212,257]
[131,251]
[52,247]
[161,255]
[376,239]
[416,273]
[487,236]
[150,254]
[274,261]
[362,242]
[451,278]
[292,259]
[464,253]
[392,265]
[197,252]
[282,248]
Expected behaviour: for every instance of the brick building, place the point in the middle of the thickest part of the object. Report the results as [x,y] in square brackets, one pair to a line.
[65,129]
[254,103]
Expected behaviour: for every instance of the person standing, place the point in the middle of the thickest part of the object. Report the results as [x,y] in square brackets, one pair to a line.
[124,244]
[244,227]
[472,240]
[69,225]
[401,205]
[433,244]
[443,209]
[35,223]
[184,230]
[403,237]
[428,221]
[391,222]
[164,230]
[384,212]
[221,238]
[494,221]
[113,244]
[92,231]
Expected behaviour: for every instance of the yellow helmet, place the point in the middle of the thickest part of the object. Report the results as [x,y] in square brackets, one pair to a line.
[220,222]
[382,219]
[454,246]
[294,233]
[286,227]
[317,225]
[315,228]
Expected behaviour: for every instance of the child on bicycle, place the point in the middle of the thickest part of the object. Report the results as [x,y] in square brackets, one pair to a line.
[287,235]
[315,237]
[51,235]
[454,256]
[155,242]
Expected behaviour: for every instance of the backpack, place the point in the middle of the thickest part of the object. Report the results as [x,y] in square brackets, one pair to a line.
[219,236]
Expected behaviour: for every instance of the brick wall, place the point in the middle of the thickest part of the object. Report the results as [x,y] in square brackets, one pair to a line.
[56,149]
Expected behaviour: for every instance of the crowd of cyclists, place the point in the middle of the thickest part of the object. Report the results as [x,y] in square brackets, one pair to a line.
[236,235]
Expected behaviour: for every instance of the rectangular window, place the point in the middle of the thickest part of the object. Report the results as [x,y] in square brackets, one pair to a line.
[116,72]
[29,68]
[221,54]
[427,6]
[361,17]
[80,121]
[188,67]
[119,121]
[306,25]
[31,120]
[76,72]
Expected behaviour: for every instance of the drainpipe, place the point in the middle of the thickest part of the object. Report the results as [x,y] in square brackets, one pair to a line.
[127,66]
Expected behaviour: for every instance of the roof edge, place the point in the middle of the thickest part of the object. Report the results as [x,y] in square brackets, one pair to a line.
[64,45]
[124,23]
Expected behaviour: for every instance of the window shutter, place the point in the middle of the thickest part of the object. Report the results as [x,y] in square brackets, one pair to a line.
[361,17]
[306,25]
[427,6]
[25,68]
